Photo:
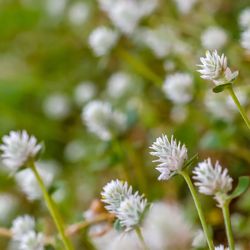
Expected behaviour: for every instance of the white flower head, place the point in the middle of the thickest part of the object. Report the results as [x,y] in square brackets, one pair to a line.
[32,241]
[102,40]
[245,39]
[131,211]
[21,226]
[18,148]
[214,38]
[199,240]
[102,120]
[221,247]
[8,206]
[171,154]
[179,88]
[84,92]
[78,13]
[185,6]
[212,180]
[244,18]
[214,67]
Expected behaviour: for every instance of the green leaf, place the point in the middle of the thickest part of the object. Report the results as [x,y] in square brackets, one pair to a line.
[117,226]
[242,187]
[221,87]
[191,162]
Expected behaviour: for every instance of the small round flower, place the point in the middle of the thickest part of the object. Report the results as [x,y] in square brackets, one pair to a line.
[214,38]
[245,39]
[221,247]
[32,241]
[212,180]
[84,92]
[178,88]
[244,18]
[21,226]
[171,154]
[214,68]
[185,6]
[102,40]
[78,13]
[131,211]
[114,193]
[8,206]
[18,148]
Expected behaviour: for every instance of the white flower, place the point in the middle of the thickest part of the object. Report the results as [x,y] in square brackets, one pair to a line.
[171,154]
[214,68]
[84,92]
[114,193]
[21,226]
[221,247]
[56,106]
[18,148]
[102,40]
[78,13]
[55,8]
[213,38]
[178,88]
[8,205]
[245,39]
[102,120]
[75,151]
[212,180]
[179,113]
[185,6]
[32,241]
[244,18]
[199,240]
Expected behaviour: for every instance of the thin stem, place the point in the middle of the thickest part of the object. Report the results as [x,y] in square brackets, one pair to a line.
[199,209]
[227,221]
[237,103]
[141,238]
[51,206]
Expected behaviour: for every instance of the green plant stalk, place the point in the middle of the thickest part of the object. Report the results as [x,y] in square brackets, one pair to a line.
[53,211]
[141,238]
[199,209]
[228,226]
[237,103]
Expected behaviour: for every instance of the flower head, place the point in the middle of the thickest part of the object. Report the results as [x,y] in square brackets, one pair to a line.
[214,68]
[244,18]
[171,154]
[245,39]
[18,148]
[32,241]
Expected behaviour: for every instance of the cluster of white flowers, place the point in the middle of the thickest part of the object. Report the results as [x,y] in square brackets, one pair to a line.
[214,67]
[24,234]
[102,40]
[244,21]
[18,148]
[126,15]
[178,87]
[84,92]
[213,180]
[171,154]
[128,207]
[102,120]
[214,37]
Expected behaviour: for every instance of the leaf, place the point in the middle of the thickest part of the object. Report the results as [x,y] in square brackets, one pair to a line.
[221,87]
[242,187]
[117,226]
[191,162]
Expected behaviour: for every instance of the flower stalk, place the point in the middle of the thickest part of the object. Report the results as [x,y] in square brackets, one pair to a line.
[141,238]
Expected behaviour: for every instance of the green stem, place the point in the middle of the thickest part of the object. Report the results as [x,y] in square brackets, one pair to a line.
[237,103]
[52,209]
[229,231]
[199,209]
[141,238]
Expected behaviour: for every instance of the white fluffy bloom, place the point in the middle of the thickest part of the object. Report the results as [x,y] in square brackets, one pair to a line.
[78,13]
[212,180]
[214,38]
[84,92]
[244,18]
[199,240]
[214,68]
[221,247]
[102,40]
[171,154]
[245,39]
[18,148]
[8,205]
[21,226]
[75,151]
[179,113]
[55,8]
[102,120]
[178,88]
[56,106]
[185,6]
[32,241]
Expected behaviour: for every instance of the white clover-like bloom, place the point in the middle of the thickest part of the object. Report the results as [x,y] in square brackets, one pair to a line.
[214,68]
[171,154]
[75,151]
[199,239]
[84,92]
[78,13]
[32,241]
[21,226]
[102,120]
[114,193]
[179,113]
[221,247]
[212,180]
[102,40]
[131,211]
[244,18]
[214,38]
[185,6]
[55,8]
[56,106]
[245,39]
[8,206]
[18,148]
[179,88]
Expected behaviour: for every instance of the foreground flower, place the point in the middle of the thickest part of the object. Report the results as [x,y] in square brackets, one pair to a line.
[212,180]
[18,148]
[32,241]
[214,68]
[171,154]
